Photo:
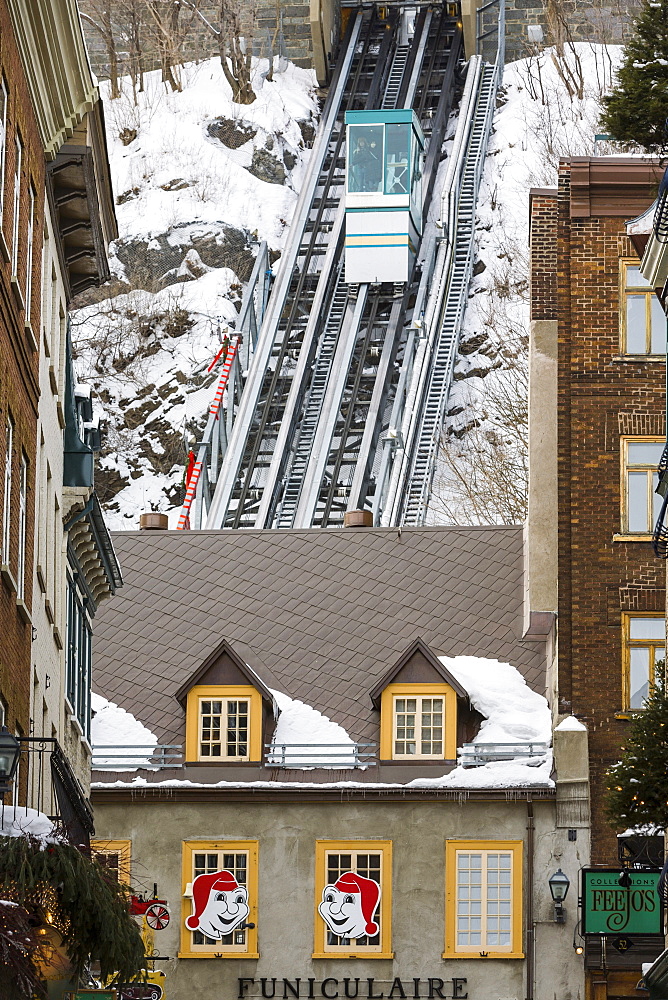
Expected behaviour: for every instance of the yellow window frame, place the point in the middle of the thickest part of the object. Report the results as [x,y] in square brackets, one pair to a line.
[219,950]
[382,847]
[624,443]
[452,847]
[387,717]
[123,848]
[624,290]
[628,644]
[223,691]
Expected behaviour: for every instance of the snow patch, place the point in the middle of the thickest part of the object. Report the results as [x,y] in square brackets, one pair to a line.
[300,724]
[20,821]
[570,724]
[112,726]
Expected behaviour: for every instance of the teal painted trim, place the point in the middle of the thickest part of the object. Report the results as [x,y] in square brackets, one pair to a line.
[379,246]
[380,117]
[356,236]
[381,208]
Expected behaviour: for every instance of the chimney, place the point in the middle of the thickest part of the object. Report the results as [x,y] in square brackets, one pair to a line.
[153,522]
[358,519]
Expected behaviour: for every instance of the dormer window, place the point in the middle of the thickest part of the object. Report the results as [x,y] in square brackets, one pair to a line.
[230,711]
[223,724]
[224,728]
[419,726]
[418,700]
[418,722]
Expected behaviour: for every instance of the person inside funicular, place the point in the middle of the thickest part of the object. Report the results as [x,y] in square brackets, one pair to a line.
[366,159]
[349,905]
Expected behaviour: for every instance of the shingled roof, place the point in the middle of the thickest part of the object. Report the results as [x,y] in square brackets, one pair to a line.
[321,614]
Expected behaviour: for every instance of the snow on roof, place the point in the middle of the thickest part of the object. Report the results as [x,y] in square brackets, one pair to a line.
[300,724]
[644,830]
[513,712]
[112,726]
[571,724]
[19,821]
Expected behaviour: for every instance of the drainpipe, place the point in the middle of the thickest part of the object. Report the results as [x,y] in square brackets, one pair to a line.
[530,923]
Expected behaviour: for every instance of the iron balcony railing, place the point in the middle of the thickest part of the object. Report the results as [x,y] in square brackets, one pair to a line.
[660,226]
[477,754]
[117,757]
[337,755]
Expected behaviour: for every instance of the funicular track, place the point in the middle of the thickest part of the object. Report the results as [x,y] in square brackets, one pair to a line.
[325,365]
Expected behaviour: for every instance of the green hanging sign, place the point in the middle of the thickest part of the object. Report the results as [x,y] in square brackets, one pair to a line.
[633,907]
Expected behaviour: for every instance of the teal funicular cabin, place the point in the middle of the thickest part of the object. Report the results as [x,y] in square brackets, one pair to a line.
[384,163]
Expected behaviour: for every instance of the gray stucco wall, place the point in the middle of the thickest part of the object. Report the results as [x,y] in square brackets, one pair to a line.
[287,835]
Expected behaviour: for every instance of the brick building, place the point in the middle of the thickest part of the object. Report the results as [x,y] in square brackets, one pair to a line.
[21,209]
[597,362]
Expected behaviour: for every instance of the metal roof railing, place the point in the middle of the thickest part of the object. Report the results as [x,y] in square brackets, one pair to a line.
[337,755]
[118,757]
[477,754]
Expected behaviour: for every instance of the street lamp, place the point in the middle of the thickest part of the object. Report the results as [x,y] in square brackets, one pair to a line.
[10,749]
[559,884]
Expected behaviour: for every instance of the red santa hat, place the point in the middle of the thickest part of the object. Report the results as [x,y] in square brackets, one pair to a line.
[369,892]
[203,886]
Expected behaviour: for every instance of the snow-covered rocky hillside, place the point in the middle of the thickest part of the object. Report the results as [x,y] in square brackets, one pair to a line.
[204,180]
[199,182]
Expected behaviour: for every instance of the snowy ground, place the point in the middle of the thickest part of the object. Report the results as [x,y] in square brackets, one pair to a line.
[202,183]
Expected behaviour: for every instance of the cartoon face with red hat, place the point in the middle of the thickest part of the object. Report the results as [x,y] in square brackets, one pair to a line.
[348,906]
[220,903]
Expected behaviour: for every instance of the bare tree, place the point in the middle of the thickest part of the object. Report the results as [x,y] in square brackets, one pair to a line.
[482,477]
[98,13]
[233,32]
[131,18]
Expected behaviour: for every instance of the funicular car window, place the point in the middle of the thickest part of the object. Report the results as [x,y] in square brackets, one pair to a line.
[365,158]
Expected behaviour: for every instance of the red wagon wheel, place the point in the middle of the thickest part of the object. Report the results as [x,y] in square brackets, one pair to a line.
[157,916]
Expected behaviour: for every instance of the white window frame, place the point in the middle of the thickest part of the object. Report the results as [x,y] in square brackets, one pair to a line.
[225,701]
[419,699]
[651,475]
[30,249]
[17,205]
[484,945]
[7,496]
[4,101]
[23,520]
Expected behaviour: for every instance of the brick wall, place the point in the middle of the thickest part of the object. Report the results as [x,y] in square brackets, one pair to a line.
[18,372]
[600,397]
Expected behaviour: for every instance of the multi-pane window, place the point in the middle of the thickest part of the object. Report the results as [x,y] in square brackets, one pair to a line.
[18,162]
[114,856]
[23,514]
[644,647]
[79,648]
[3,141]
[483,897]
[643,319]
[224,728]
[419,726]
[237,861]
[363,907]
[30,248]
[641,505]
[7,492]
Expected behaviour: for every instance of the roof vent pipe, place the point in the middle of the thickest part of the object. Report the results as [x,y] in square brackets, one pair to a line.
[153,522]
[358,519]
